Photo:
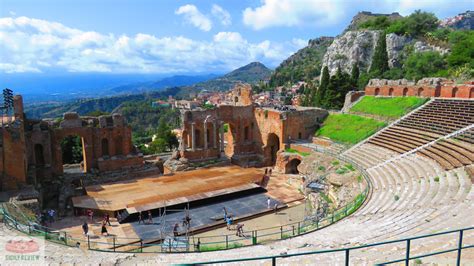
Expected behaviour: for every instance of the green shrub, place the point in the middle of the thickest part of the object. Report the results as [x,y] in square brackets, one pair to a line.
[436,179]
[396,197]
[321,168]
[350,167]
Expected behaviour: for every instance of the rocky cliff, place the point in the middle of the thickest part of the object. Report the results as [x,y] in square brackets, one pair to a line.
[358,46]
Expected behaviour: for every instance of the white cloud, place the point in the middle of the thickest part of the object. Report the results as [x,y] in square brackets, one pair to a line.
[193,16]
[33,45]
[293,13]
[221,14]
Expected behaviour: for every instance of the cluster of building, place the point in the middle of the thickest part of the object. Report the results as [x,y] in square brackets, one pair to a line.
[277,97]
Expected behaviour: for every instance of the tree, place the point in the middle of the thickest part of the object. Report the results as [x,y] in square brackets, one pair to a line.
[355,75]
[380,58]
[166,135]
[424,64]
[322,87]
[336,91]
[462,50]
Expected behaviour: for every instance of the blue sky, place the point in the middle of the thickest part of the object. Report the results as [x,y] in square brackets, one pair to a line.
[145,36]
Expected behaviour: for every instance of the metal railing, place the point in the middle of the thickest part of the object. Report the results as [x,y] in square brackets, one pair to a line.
[406,257]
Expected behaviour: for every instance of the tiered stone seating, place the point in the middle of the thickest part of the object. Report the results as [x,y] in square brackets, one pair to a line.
[438,118]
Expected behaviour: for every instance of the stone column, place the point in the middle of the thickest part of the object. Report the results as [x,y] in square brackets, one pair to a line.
[222,137]
[193,137]
[181,142]
[214,126]
[205,134]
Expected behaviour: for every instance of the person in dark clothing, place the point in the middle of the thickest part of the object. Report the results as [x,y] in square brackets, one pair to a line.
[107,219]
[140,217]
[85,228]
[150,217]
[175,229]
[104,229]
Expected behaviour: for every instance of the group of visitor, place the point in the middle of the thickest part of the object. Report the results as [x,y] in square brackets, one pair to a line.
[46,217]
[229,221]
[141,220]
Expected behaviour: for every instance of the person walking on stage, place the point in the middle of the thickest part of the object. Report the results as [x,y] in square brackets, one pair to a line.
[150,217]
[85,228]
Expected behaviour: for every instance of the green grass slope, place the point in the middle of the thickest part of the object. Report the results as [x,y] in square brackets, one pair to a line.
[348,128]
[392,107]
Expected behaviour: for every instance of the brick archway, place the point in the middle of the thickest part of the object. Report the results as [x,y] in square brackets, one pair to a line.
[292,166]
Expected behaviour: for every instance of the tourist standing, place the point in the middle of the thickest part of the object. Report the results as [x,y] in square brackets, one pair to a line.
[150,217]
[90,213]
[240,230]
[107,218]
[140,217]
[175,229]
[104,229]
[268,202]
[225,213]
[85,228]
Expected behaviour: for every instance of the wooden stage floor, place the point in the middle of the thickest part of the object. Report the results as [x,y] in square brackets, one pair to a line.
[156,191]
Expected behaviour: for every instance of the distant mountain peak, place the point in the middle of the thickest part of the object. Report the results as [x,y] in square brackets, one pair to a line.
[249,73]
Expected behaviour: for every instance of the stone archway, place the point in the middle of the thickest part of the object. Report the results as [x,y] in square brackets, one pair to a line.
[420,92]
[454,93]
[405,91]
[390,92]
[471,93]
[377,91]
[292,166]
[72,151]
[273,146]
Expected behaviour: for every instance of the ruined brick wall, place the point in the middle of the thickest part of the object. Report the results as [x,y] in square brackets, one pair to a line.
[13,167]
[30,150]
[428,87]
[251,130]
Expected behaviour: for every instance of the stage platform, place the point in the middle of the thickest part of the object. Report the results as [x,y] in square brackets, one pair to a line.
[157,191]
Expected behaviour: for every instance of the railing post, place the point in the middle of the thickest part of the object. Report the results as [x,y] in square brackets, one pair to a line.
[114,243]
[274,261]
[65,238]
[141,245]
[256,239]
[293,227]
[88,242]
[347,257]
[227,241]
[407,257]
[29,229]
[458,261]
[332,217]
[299,230]
[317,223]
[169,244]
[281,232]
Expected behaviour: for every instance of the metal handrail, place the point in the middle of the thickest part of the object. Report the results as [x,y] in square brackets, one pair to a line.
[406,259]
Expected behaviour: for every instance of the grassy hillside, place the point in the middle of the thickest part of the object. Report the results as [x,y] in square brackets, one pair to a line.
[392,107]
[347,128]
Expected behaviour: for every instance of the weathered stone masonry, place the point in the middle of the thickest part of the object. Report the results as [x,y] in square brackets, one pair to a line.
[31,152]
[255,134]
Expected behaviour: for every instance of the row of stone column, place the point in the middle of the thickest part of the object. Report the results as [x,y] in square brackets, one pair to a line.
[216,132]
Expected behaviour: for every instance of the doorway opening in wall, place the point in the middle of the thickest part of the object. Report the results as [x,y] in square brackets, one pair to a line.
[72,150]
[292,166]
[273,143]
